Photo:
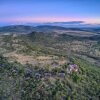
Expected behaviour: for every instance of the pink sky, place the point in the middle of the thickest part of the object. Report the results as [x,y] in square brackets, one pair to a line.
[49,19]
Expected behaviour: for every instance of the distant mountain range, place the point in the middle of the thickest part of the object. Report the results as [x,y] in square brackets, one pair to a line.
[70,24]
[16,29]
[43,28]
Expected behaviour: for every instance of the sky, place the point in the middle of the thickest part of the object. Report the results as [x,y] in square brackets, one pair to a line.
[32,11]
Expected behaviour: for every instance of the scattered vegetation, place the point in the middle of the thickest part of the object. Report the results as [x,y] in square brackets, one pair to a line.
[35,67]
[29,82]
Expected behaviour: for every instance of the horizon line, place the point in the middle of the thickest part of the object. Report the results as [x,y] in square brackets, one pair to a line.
[49,20]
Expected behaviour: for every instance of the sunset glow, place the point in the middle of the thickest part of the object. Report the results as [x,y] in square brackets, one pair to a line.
[25,11]
[52,19]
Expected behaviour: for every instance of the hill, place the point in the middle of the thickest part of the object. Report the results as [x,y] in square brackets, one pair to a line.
[36,66]
[22,29]
[29,82]
[19,29]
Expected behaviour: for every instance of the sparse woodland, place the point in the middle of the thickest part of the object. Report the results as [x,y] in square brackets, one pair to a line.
[34,67]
